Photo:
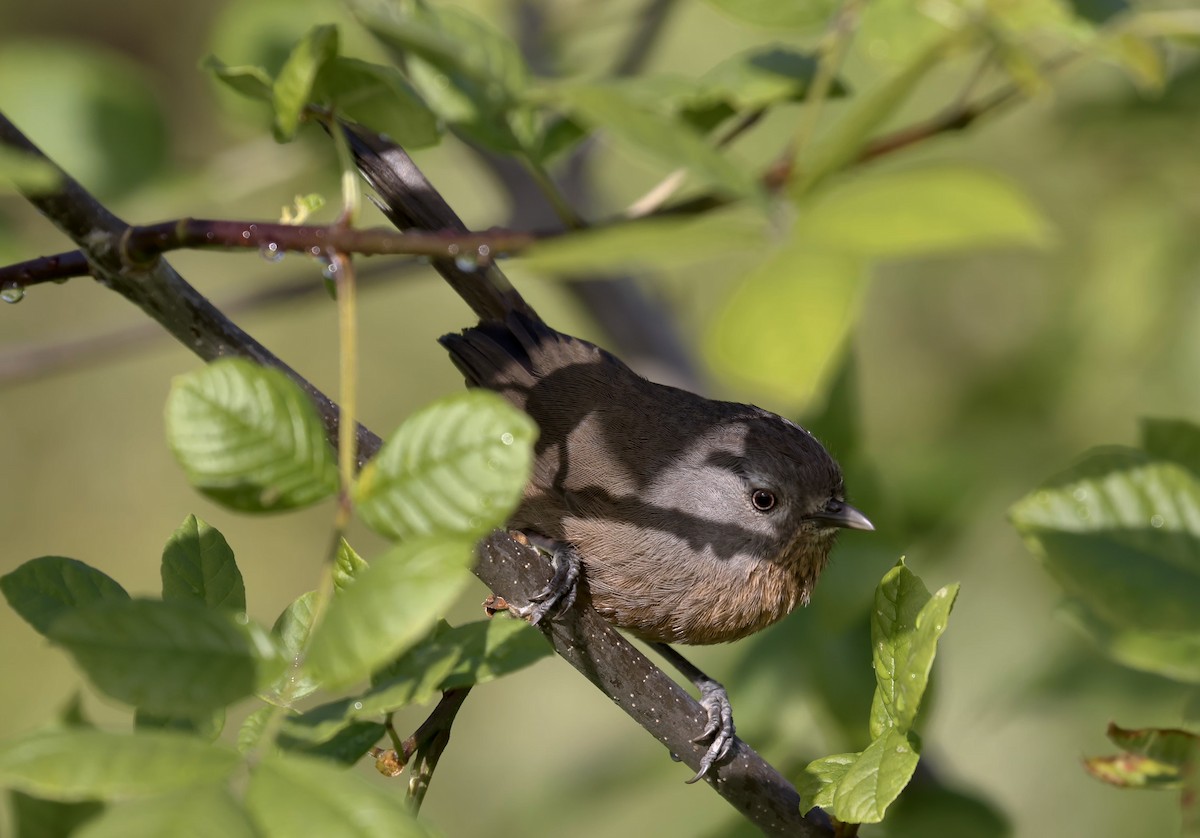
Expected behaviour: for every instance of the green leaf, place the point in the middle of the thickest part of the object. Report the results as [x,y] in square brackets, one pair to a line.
[761,77]
[26,172]
[757,337]
[33,817]
[168,658]
[293,86]
[457,466]
[291,796]
[489,649]
[379,98]
[94,111]
[670,141]
[867,113]
[1172,654]
[198,566]
[905,628]
[649,243]
[291,631]
[207,726]
[252,729]
[90,764]
[347,567]
[1177,441]
[198,812]
[1120,533]
[931,209]
[777,14]
[44,589]
[1172,746]
[346,747]
[858,788]
[1151,758]
[471,75]
[249,438]
[250,81]
[1133,772]
[1180,24]
[389,608]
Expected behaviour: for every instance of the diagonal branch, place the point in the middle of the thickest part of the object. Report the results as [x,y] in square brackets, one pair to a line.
[513,570]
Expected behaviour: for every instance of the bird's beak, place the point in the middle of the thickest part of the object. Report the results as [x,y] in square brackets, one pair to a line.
[842,514]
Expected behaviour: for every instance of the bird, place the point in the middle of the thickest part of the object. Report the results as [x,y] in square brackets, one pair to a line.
[691,520]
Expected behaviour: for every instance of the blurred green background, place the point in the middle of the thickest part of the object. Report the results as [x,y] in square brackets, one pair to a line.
[977,376]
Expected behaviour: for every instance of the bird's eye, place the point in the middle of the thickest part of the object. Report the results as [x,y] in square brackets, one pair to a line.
[763,500]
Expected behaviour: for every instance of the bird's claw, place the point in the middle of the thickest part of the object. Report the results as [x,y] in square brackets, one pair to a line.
[559,593]
[719,732]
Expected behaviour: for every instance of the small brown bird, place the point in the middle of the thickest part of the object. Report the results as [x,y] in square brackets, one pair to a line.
[695,521]
[691,520]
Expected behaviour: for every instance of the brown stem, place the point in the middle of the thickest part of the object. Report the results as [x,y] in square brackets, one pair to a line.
[424,748]
[143,244]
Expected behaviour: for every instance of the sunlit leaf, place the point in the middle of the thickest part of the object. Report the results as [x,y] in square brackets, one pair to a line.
[858,788]
[21,171]
[671,142]
[248,80]
[1120,531]
[293,86]
[393,603]
[650,243]
[249,438]
[33,817]
[198,565]
[787,322]
[347,746]
[456,466]
[291,796]
[44,589]
[291,631]
[905,628]
[922,210]
[379,98]
[347,566]
[777,13]
[94,111]
[91,764]
[470,74]
[198,812]
[868,112]
[167,658]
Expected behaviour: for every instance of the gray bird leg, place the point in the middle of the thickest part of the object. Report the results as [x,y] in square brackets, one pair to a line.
[713,698]
[559,593]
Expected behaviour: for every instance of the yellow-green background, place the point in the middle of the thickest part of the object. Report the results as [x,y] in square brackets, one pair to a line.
[980,375]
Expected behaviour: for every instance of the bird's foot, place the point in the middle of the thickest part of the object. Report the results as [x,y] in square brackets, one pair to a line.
[559,593]
[719,732]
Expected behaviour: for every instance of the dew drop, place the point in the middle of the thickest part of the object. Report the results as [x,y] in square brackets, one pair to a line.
[358,705]
[1080,494]
[901,749]
[330,270]
[506,438]
[1156,521]
[271,252]
[466,264]
[245,234]
[11,292]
